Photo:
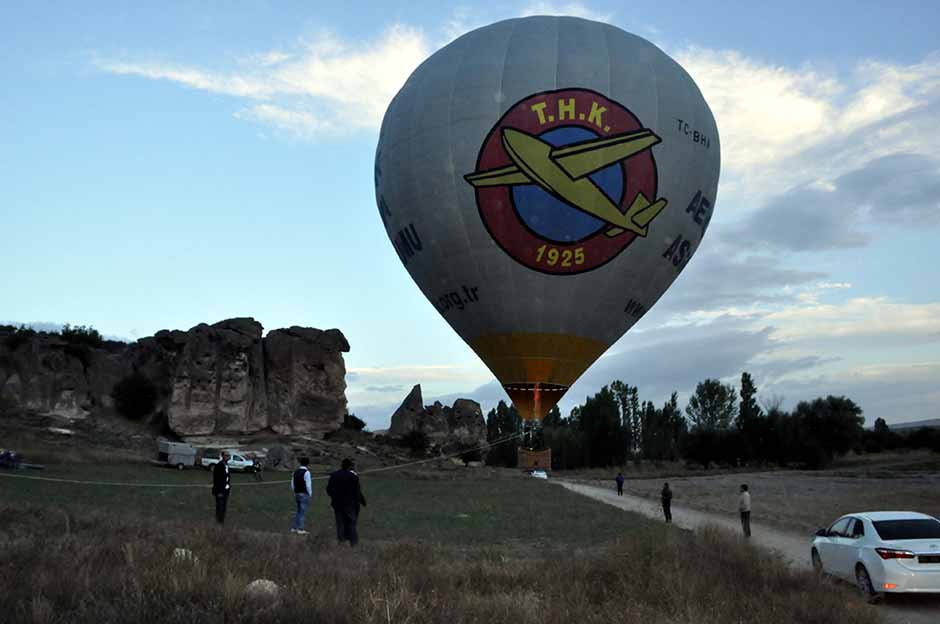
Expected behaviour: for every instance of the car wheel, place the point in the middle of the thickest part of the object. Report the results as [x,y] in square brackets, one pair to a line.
[817,563]
[179,466]
[865,587]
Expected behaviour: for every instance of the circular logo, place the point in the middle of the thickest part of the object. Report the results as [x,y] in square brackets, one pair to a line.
[566,180]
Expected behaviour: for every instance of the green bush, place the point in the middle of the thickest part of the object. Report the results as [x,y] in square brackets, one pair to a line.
[81,335]
[417,441]
[350,421]
[17,337]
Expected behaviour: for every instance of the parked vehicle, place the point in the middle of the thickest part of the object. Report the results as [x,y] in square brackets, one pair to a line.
[209,458]
[175,454]
[237,461]
[881,552]
[10,459]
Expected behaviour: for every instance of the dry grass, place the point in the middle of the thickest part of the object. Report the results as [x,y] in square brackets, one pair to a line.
[113,569]
[648,470]
[806,500]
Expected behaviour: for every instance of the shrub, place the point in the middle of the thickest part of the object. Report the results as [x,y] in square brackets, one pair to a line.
[417,441]
[81,335]
[470,453]
[135,396]
[17,337]
[350,421]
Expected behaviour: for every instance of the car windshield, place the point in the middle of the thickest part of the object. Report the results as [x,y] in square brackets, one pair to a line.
[907,529]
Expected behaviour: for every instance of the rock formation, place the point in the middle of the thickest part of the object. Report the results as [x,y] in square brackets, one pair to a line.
[306,376]
[221,379]
[462,424]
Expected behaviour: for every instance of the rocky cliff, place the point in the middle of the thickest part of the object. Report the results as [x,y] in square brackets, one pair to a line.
[221,379]
[462,423]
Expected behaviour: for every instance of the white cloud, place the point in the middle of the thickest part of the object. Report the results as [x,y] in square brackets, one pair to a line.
[803,350]
[296,123]
[762,110]
[862,320]
[195,78]
[415,374]
[901,190]
[573,9]
[784,126]
[324,84]
[897,393]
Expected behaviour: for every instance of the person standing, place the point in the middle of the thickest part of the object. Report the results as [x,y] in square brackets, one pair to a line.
[302,487]
[345,498]
[744,506]
[619,481]
[666,498]
[221,486]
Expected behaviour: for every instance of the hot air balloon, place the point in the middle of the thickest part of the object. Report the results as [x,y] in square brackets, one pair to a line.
[544,180]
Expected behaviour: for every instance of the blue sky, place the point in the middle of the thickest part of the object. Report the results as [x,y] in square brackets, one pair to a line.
[188,162]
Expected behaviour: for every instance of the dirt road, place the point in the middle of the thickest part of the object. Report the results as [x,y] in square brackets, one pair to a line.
[793,547]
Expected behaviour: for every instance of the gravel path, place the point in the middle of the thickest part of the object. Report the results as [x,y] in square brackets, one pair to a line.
[793,547]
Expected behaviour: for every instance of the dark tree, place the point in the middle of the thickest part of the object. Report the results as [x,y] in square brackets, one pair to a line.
[567,450]
[827,427]
[676,426]
[553,418]
[713,406]
[81,335]
[17,336]
[748,422]
[501,423]
[603,436]
[417,441]
[622,392]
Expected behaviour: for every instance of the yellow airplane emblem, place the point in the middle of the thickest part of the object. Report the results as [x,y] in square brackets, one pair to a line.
[564,171]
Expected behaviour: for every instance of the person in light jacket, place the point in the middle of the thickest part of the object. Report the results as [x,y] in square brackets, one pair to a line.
[302,487]
[744,506]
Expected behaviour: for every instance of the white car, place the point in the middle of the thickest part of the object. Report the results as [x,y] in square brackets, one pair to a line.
[881,551]
[236,461]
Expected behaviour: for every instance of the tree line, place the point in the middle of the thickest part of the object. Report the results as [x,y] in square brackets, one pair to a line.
[720,425]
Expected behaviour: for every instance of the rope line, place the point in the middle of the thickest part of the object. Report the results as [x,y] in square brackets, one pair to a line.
[258,483]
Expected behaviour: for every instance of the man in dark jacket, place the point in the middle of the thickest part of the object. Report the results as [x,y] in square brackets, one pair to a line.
[221,486]
[666,497]
[345,498]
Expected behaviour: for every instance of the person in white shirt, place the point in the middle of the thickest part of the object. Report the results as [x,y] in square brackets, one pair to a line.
[744,506]
[302,488]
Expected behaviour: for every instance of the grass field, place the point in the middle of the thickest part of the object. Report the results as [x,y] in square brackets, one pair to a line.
[483,546]
[449,510]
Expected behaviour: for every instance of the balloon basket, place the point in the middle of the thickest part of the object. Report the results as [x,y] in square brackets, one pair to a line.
[531,459]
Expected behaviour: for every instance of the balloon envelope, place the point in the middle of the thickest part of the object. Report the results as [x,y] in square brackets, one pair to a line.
[544,180]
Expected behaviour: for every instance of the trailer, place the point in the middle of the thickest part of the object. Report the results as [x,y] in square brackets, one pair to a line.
[176,454]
